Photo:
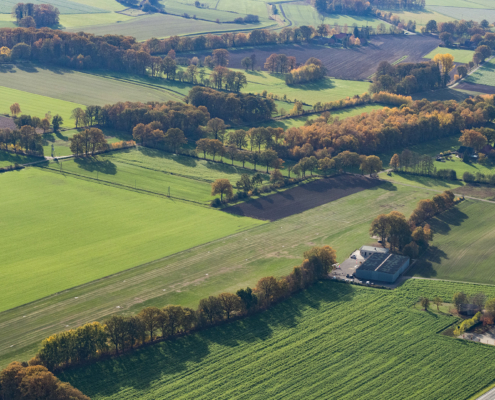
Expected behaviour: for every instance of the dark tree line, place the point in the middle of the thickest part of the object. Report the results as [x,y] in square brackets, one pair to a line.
[230,106]
[25,139]
[123,333]
[362,7]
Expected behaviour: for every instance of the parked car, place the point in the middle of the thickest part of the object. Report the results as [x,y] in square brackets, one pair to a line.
[353,256]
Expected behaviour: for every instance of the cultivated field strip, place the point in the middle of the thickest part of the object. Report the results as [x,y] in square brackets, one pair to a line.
[335,341]
[223,265]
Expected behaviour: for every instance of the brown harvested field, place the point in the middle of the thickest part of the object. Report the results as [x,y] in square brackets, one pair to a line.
[6,122]
[303,198]
[357,63]
[474,87]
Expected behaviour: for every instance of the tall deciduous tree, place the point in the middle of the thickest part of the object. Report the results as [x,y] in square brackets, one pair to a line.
[222,187]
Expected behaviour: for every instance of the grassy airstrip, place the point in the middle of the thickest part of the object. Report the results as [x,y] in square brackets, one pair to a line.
[332,341]
[73,232]
[184,278]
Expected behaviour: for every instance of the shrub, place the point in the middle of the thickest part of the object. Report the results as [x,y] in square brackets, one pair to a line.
[216,202]
[468,177]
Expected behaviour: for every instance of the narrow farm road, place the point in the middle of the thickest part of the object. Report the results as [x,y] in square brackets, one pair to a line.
[490,395]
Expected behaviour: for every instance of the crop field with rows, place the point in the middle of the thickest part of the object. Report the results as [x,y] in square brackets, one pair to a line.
[334,340]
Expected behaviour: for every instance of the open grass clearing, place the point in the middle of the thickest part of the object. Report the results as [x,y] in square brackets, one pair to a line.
[155,171]
[80,87]
[231,262]
[468,14]
[7,158]
[324,90]
[485,75]
[64,6]
[421,16]
[109,5]
[334,340]
[75,232]
[36,105]
[463,245]
[460,56]
[422,182]
[165,25]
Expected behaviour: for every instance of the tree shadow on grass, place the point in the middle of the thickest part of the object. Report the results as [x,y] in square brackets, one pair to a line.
[165,360]
[156,153]
[93,164]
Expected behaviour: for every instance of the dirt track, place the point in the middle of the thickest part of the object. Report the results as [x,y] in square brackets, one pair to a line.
[302,198]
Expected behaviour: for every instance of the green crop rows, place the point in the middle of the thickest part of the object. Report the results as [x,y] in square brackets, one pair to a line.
[333,341]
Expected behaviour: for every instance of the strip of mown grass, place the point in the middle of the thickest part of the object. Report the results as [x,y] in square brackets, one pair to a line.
[485,75]
[460,56]
[332,341]
[62,232]
[226,264]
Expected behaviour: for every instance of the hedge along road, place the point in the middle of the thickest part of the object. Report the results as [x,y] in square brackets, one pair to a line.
[302,198]
[226,264]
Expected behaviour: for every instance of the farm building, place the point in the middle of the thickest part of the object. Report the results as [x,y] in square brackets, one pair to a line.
[367,251]
[382,267]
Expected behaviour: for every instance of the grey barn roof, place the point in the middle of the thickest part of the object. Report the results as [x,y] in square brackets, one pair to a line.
[385,263]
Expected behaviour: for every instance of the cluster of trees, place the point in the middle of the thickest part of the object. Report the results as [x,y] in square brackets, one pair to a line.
[478,177]
[122,333]
[471,304]
[230,106]
[88,142]
[363,7]
[22,381]
[381,130]
[152,135]
[395,20]
[409,161]
[311,71]
[411,236]
[25,139]
[248,19]
[409,78]
[125,116]
[457,30]
[29,15]
[279,63]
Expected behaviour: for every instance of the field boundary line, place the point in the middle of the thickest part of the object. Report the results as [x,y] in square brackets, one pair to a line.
[120,185]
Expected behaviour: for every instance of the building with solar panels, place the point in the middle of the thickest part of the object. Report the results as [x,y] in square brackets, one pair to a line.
[382,267]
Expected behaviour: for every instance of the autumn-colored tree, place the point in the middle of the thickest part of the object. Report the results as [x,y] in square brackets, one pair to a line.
[380,227]
[268,157]
[172,318]
[325,165]
[222,187]
[15,109]
[473,138]
[202,146]
[45,124]
[371,165]
[230,303]
[446,63]
[214,147]
[150,317]
[221,57]
[79,115]
[395,162]
[175,138]
[399,233]
[211,308]
[276,177]
[231,152]
[216,127]
[265,289]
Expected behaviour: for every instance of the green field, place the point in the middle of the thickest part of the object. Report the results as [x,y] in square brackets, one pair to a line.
[85,88]
[468,14]
[155,171]
[485,75]
[80,231]
[461,3]
[230,262]
[69,21]
[35,104]
[304,14]
[325,90]
[460,56]
[463,245]
[331,341]
[165,25]
[421,17]
[7,158]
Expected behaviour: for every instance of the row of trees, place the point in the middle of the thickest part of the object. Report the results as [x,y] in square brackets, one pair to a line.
[88,142]
[122,333]
[25,139]
[29,15]
[278,63]
[20,381]
[413,235]
[152,134]
[386,129]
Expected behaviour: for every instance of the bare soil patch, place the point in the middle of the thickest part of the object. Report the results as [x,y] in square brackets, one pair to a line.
[474,87]
[478,191]
[356,63]
[6,122]
[302,198]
